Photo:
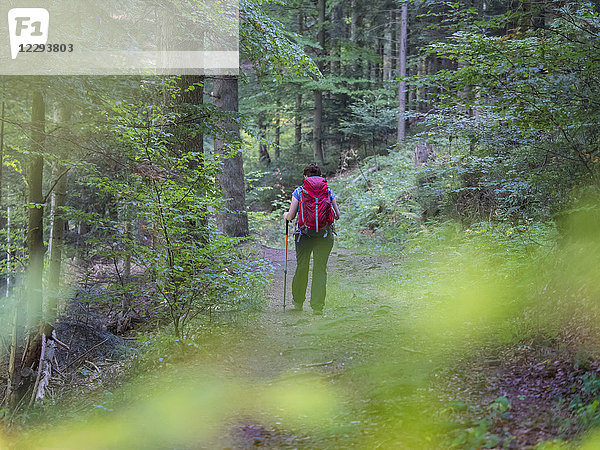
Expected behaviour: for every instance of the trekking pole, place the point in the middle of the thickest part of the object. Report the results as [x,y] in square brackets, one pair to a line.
[287,223]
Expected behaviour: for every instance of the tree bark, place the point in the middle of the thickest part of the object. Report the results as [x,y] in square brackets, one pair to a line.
[402,84]
[192,93]
[298,125]
[35,237]
[354,30]
[263,151]
[191,141]
[278,131]
[387,48]
[317,129]
[8,244]
[318,111]
[336,30]
[234,219]
[298,109]
[3,277]
[57,232]
[35,245]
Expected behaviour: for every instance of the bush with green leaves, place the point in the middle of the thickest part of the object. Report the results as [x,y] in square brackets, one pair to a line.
[526,102]
[166,197]
[378,206]
[472,188]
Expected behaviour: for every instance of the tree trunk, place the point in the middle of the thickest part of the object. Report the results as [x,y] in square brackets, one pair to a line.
[35,237]
[318,112]
[278,131]
[191,94]
[263,151]
[387,48]
[234,219]
[8,243]
[10,395]
[317,129]
[298,109]
[354,30]
[57,232]
[298,125]
[402,84]
[337,21]
[421,91]
[3,277]
[35,245]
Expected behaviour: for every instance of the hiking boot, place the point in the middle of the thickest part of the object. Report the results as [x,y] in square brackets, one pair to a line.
[317,312]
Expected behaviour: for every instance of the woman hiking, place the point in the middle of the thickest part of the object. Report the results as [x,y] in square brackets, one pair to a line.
[317,209]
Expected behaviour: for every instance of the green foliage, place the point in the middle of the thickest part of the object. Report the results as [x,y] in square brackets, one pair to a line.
[499,408]
[472,188]
[477,436]
[534,89]
[377,207]
[170,191]
[372,117]
[271,48]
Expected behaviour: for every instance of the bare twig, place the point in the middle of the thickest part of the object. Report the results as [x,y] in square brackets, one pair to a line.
[362,174]
[60,343]
[58,178]
[85,354]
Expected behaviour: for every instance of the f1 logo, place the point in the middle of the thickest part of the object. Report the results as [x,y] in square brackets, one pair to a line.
[27,26]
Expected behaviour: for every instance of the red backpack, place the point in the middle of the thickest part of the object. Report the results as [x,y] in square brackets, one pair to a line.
[316,212]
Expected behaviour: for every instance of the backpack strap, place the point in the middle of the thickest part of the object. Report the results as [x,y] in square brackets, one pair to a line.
[302,206]
[317,213]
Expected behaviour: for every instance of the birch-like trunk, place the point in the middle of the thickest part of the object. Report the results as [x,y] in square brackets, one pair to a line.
[58,202]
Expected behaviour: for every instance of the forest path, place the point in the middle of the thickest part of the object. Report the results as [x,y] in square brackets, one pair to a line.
[351,378]
[372,372]
[398,376]
[361,349]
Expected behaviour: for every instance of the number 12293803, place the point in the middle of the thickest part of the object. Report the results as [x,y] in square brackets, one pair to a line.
[46,48]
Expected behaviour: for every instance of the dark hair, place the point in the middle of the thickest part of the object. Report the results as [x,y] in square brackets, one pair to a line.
[312,170]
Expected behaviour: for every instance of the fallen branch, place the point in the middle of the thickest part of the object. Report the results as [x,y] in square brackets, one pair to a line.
[93,365]
[362,174]
[60,343]
[85,354]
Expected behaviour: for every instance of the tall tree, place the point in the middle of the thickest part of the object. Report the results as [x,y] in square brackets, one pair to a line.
[318,111]
[35,245]
[402,74]
[57,204]
[190,135]
[277,142]
[298,124]
[298,106]
[263,151]
[234,219]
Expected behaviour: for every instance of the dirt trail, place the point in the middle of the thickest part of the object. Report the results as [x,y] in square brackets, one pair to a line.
[333,346]
[283,341]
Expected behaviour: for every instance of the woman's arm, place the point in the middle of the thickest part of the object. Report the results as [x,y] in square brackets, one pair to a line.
[336,209]
[292,211]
